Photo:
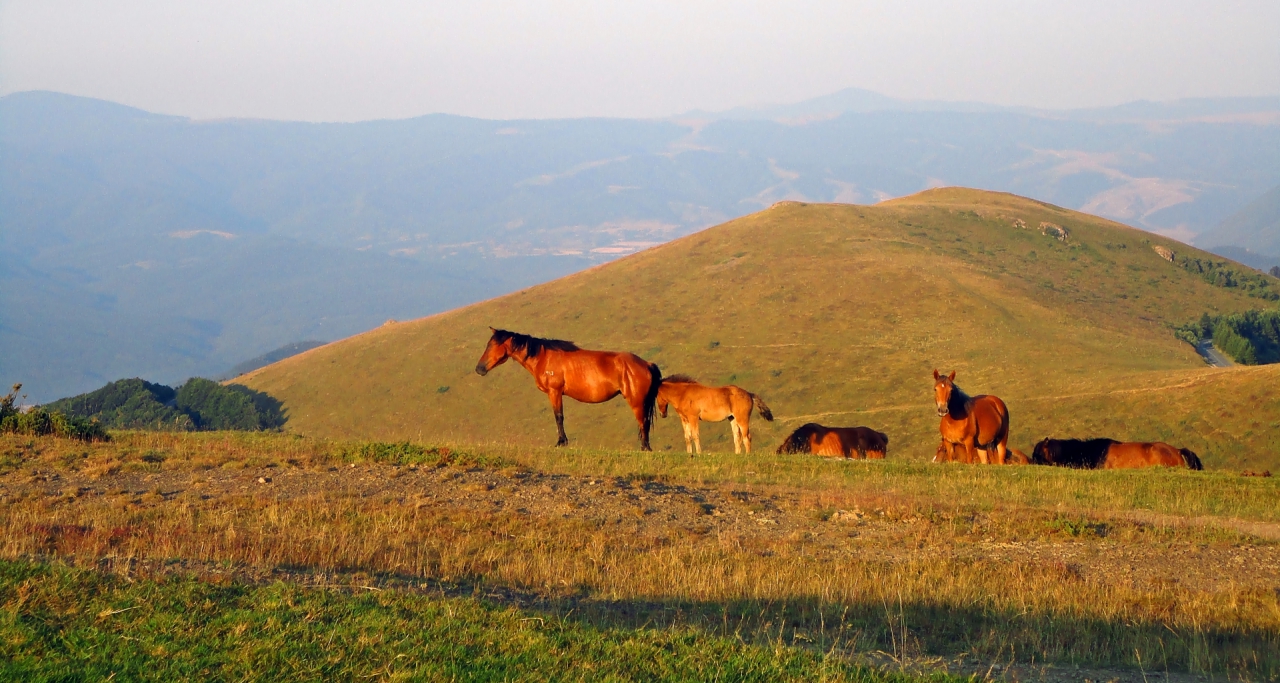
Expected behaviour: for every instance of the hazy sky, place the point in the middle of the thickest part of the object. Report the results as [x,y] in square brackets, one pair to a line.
[340,61]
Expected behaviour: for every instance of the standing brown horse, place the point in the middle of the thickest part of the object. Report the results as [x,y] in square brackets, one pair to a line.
[839,442]
[560,369]
[979,424]
[694,402]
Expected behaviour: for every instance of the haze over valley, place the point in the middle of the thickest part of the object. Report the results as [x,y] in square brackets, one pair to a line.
[165,247]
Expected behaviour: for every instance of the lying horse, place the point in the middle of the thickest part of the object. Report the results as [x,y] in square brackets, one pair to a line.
[840,442]
[560,369]
[694,402]
[978,424]
[1109,454]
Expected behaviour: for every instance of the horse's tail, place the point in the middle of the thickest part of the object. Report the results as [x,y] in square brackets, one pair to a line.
[1193,460]
[798,441]
[651,398]
[764,409]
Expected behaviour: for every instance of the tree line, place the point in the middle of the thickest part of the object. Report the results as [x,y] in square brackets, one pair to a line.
[1249,338]
[197,405]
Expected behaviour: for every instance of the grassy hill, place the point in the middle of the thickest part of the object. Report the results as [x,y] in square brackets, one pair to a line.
[837,313]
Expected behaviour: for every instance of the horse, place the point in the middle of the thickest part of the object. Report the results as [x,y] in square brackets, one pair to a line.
[840,442]
[560,369]
[980,424]
[694,402]
[1109,454]
[1014,457]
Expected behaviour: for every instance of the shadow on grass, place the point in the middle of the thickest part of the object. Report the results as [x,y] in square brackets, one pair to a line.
[912,630]
[904,630]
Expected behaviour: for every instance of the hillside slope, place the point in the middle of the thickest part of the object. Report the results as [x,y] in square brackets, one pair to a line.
[835,313]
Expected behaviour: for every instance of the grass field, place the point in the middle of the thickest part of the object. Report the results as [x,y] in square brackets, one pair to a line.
[836,314]
[58,623]
[784,566]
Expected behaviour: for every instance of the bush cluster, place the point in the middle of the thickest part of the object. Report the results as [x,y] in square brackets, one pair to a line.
[1224,274]
[44,422]
[197,405]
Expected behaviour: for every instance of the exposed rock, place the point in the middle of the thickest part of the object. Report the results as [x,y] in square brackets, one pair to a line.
[1054,230]
[1164,253]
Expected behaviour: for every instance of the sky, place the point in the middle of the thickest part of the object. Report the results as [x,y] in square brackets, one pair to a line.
[321,60]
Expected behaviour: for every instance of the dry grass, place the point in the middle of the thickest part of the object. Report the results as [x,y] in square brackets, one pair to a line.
[924,578]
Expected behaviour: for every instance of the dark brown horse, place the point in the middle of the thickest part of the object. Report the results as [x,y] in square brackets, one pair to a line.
[1109,454]
[560,369]
[838,442]
[695,402]
[977,424]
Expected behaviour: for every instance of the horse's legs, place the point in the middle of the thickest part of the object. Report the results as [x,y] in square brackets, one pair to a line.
[697,435]
[736,430]
[972,453]
[688,435]
[745,427]
[557,406]
[638,409]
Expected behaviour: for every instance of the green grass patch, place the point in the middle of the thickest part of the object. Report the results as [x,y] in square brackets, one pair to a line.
[58,623]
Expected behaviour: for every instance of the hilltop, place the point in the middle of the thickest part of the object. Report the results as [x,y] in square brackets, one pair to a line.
[834,313]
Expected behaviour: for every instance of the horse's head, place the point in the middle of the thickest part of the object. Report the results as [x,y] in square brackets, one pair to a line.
[944,452]
[662,404]
[1040,455]
[942,388]
[495,353]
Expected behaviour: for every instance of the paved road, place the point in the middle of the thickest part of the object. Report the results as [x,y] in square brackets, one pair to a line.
[1211,355]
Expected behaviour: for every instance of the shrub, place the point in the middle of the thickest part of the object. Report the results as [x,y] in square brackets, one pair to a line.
[44,422]
[1224,274]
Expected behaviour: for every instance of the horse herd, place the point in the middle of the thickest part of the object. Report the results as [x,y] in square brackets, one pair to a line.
[975,429]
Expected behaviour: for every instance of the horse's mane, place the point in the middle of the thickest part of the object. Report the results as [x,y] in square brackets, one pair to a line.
[532,346]
[679,379]
[798,442]
[958,399]
[1084,453]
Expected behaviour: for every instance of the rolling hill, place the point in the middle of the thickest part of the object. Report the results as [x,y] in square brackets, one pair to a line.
[837,313]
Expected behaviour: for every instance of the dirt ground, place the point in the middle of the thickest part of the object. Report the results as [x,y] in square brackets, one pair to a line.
[641,508]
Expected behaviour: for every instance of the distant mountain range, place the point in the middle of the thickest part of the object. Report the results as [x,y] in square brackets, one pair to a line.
[1250,235]
[135,244]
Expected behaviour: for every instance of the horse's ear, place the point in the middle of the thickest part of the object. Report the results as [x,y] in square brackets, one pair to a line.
[952,376]
[492,328]
[936,376]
